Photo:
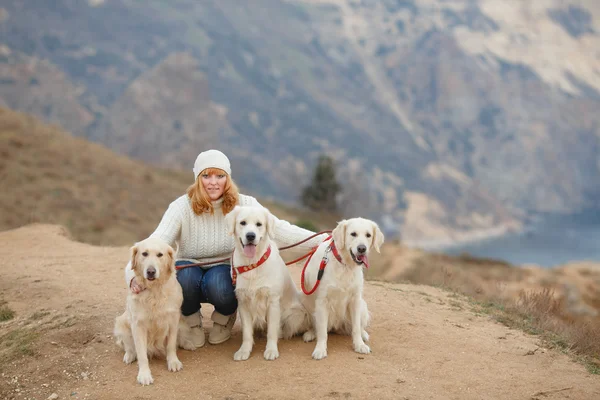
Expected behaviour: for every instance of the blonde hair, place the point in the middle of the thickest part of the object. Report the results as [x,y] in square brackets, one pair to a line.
[201,202]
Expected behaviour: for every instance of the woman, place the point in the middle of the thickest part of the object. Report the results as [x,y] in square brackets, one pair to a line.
[195,221]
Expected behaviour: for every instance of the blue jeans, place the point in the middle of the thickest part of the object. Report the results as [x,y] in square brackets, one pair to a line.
[212,285]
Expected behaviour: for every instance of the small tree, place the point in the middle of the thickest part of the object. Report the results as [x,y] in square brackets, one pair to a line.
[322,192]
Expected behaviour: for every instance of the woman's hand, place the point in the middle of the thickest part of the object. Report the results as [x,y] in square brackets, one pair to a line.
[135,288]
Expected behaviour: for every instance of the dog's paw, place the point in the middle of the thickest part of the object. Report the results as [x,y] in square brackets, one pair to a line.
[362,348]
[128,358]
[271,354]
[145,377]
[174,365]
[309,336]
[365,335]
[319,353]
[241,355]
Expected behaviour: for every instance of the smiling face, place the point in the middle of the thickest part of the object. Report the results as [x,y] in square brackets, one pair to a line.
[250,226]
[355,237]
[214,181]
[152,259]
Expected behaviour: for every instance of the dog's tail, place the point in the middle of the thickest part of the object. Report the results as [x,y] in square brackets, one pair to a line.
[295,320]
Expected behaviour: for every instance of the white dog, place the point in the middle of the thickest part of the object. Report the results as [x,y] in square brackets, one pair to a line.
[337,303]
[151,321]
[265,290]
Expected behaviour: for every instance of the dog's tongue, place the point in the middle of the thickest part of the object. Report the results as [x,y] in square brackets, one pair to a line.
[363,258]
[250,250]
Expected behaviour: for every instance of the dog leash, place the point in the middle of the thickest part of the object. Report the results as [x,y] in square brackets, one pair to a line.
[330,249]
[222,260]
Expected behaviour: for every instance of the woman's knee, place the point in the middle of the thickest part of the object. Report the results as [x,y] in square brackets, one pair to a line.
[219,289]
[189,279]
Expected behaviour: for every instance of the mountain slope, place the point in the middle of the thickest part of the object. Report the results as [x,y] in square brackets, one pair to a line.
[99,196]
[496,98]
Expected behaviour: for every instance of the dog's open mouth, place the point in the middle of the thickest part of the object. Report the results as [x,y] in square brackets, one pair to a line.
[150,278]
[249,249]
[360,259]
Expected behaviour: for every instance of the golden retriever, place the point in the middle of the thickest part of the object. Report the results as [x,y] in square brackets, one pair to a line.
[267,296]
[337,304]
[150,324]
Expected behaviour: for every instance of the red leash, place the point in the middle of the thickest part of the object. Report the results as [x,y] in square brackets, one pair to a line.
[222,260]
[324,261]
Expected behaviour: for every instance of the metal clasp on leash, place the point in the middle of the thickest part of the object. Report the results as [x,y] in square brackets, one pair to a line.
[324,262]
[326,254]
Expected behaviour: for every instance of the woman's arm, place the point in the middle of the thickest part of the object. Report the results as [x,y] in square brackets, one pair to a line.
[169,230]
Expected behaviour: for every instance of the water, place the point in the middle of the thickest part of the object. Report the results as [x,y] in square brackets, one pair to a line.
[552,240]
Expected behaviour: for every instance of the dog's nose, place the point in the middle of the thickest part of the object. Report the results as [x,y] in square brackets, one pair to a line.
[151,272]
[361,248]
[250,236]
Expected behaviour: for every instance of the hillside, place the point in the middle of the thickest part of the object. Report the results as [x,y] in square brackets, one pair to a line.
[463,116]
[427,343]
[561,304]
[99,196]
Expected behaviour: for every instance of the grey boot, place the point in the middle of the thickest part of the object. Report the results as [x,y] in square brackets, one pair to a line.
[197,336]
[222,325]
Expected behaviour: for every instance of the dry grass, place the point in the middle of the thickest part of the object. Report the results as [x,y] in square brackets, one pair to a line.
[6,313]
[478,278]
[500,289]
[542,313]
[17,343]
[99,196]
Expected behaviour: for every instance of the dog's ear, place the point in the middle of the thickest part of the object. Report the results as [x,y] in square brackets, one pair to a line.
[134,252]
[270,224]
[170,258]
[230,220]
[175,251]
[339,234]
[377,237]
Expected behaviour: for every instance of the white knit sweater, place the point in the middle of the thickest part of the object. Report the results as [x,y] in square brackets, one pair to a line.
[204,238]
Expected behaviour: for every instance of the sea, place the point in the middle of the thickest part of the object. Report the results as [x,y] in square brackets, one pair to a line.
[548,241]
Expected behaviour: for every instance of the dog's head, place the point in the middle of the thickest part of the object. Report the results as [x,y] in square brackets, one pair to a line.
[152,260]
[355,237]
[252,228]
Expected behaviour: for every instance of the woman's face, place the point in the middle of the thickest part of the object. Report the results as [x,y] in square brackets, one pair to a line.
[214,184]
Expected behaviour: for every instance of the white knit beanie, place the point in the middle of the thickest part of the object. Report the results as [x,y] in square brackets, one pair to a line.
[211,159]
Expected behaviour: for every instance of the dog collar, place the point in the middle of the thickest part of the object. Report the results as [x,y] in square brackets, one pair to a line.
[335,252]
[245,268]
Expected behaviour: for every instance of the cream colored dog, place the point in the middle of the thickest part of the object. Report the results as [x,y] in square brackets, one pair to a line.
[337,304]
[267,296]
[150,324]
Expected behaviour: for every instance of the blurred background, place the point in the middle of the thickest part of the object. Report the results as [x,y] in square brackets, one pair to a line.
[450,122]
[468,129]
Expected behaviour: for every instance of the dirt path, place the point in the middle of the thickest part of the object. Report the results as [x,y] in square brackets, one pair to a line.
[426,343]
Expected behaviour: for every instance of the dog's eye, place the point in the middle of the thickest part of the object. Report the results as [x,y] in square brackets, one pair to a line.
[145,254]
[353,234]
[258,224]
[159,255]
[243,223]
[368,235]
